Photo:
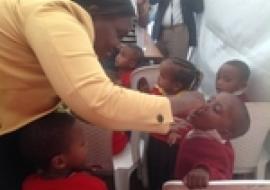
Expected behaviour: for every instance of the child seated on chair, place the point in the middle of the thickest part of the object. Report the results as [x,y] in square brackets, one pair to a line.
[232,77]
[176,76]
[55,144]
[129,57]
[205,153]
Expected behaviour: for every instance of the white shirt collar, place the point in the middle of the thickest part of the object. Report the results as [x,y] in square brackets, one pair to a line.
[210,134]
[239,92]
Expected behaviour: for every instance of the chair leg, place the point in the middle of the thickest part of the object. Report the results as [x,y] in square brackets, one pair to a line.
[122,179]
[261,167]
[260,174]
[142,173]
[144,177]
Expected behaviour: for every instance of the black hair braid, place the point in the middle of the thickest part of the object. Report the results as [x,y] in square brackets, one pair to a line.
[189,75]
[198,76]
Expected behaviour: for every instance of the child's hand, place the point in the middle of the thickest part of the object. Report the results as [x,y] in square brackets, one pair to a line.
[197,178]
[173,137]
[187,102]
[179,124]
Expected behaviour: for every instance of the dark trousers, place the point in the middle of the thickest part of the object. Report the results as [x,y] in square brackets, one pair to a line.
[13,168]
[161,162]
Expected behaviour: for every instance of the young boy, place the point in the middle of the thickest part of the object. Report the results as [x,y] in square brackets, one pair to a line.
[205,152]
[232,77]
[176,76]
[129,57]
[56,146]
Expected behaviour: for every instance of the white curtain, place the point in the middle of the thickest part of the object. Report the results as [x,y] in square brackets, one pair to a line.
[235,29]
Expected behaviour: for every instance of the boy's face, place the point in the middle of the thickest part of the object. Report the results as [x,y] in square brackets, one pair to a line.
[77,154]
[166,78]
[215,114]
[126,58]
[229,79]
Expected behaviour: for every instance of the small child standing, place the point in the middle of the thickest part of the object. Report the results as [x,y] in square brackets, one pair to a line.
[205,152]
[56,146]
[176,76]
[232,77]
[129,57]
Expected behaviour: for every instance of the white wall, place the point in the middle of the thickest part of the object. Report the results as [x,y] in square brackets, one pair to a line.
[236,29]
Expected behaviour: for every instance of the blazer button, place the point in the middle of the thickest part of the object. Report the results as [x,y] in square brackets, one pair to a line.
[160,118]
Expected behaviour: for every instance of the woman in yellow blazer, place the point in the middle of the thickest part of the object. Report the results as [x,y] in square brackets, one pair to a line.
[47,52]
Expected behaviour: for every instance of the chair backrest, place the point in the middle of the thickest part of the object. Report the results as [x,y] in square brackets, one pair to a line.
[249,147]
[223,185]
[135,146]
[150,73]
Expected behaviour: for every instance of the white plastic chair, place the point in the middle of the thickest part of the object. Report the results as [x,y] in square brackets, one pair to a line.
[223,185]
[150,73]
[127,161]
[100,155]
[133,155]
[251,155]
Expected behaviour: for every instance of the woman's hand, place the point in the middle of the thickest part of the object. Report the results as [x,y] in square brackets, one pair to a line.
[186,102]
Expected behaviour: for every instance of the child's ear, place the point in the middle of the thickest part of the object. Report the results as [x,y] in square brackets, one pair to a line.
[59,161]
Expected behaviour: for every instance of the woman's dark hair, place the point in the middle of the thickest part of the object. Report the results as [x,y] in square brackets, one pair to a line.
[46,137]
[188,75]
[108,7]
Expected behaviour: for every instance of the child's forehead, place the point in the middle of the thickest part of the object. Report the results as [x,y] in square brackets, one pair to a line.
[228,68]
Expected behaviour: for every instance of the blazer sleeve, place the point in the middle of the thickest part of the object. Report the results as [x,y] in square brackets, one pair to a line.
[65,51]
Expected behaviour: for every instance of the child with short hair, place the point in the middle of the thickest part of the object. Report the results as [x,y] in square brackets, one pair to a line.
[205,152]
[232,77]
[55,144]
[176,76]
[129,57]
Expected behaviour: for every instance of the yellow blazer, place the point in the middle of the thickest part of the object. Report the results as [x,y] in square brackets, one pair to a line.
[46,52]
